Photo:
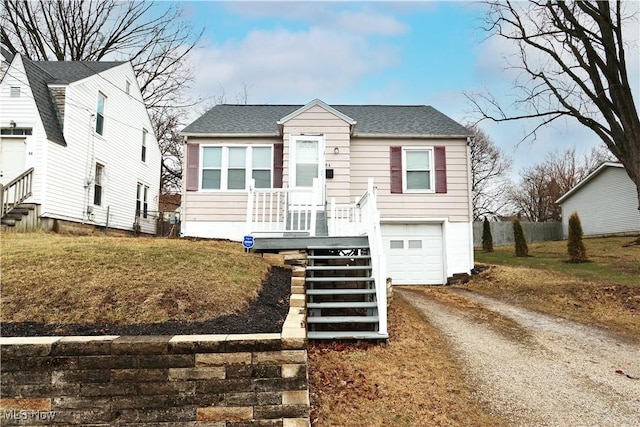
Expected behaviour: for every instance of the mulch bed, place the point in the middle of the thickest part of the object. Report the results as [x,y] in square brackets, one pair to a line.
[265,315]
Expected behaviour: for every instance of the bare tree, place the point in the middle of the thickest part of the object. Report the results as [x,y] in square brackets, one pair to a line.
[541,185]
[166,123]
[155,39]
[572,62]
[489,169]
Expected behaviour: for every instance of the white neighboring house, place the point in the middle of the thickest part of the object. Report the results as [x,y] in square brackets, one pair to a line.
[605,201]
[83,131]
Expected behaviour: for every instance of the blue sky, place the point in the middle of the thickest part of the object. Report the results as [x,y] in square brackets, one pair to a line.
[365,53]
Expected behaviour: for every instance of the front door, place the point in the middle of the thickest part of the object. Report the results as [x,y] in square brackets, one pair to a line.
[307,163]
[12,158]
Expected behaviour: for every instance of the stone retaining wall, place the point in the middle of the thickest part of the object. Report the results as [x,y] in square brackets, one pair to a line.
[184,380]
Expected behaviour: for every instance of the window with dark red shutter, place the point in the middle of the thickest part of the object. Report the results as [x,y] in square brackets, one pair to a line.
[396,169]
[440,158]
[193,153]
[278,160]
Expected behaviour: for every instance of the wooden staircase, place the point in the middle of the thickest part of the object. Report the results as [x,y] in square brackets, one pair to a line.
[341,292]
[23,217]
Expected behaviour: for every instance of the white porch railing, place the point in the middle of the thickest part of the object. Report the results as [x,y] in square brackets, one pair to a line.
[282,210]
[363,218]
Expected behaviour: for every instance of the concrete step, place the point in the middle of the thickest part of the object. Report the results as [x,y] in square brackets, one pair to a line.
[342,304]
[8,221]
[338,247]
[337,279]
[323,257]
[313,292]
[346,335]
[337,267]
[343,319]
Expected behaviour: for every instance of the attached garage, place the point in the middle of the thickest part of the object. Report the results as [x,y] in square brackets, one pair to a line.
[415,253]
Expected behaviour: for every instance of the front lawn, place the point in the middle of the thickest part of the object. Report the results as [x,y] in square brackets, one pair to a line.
[52,278]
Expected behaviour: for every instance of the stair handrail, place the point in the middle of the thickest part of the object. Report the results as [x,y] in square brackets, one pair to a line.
[20,187]
[378,260]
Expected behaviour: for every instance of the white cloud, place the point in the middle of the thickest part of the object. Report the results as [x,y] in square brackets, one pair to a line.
[284,66]
[354,17]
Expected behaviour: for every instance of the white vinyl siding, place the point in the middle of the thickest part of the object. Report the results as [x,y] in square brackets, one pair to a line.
[607,204]
[63,175]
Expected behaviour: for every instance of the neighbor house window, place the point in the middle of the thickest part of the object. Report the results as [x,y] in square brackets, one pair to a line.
[418,167]
[143,155]
[102,100]
[142,201]
[97,185]
[127,86]
[233,167]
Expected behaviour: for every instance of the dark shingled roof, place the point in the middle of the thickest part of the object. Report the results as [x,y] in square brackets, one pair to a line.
[43,73]
[370,120]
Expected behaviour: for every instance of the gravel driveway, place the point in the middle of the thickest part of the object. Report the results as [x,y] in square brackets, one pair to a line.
[564,374]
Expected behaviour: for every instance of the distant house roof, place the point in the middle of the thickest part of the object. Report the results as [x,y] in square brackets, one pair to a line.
[586,180]
[5,54]
[374,120]
[41,74]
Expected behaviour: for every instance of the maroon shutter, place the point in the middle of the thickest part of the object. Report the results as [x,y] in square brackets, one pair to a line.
[396,169]
[278,156]
[193,163]
[441,169]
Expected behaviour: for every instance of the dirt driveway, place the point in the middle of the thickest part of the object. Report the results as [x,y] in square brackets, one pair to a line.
[552,373]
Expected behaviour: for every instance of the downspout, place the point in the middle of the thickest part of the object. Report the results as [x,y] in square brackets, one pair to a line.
[89,170]
[470,197]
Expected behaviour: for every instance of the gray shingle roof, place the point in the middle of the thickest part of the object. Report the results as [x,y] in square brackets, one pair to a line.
[43,73]
[371,120]
[65,72]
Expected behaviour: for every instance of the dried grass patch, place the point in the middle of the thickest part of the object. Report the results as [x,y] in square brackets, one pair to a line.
[102,279]
[413,380]
[615,307]
[476,311]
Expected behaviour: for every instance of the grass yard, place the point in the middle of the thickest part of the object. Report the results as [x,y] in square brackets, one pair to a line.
[413,380]
[53,278]
[604,292]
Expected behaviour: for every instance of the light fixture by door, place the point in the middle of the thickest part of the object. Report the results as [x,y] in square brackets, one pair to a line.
[336,150]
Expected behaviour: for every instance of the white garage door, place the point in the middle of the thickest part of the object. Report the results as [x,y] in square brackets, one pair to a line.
[414,253]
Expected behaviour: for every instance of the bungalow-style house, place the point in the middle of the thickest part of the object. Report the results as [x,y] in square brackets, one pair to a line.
[369,191]
[606,202]
[77,145]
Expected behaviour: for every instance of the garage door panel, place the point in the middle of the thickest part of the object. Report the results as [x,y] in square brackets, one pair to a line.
[414,253]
